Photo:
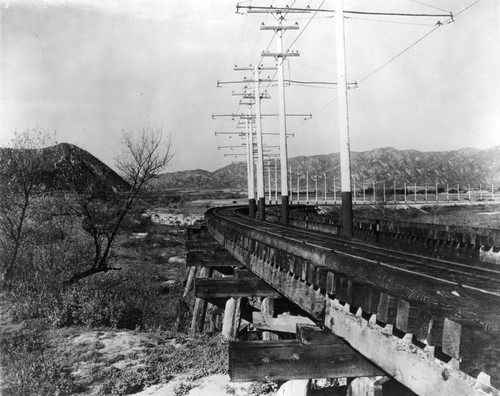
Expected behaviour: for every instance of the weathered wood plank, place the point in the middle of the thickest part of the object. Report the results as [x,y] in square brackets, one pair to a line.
[232,316]
[209,259]
[400,358]
[377,386]
[200,307]
[288,360]
[310,334]
[203,245]
[451,338]
[282,323]
[232,287]
[268,311]
[383,308]
[189,281]
[243,273]
[297,291]
[403,312]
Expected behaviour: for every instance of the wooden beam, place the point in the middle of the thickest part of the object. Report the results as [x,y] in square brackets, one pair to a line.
[200,307]
[232,316]
[377,386]
[209,259]
[243,273]
[306,297]
[282,323]
[231,287]
[268,311]
[310,334]
[289,360]
[451,338]
[189,281]
[399,357]
[203,245]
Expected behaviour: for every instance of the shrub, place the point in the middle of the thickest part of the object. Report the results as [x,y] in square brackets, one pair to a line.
[30,368]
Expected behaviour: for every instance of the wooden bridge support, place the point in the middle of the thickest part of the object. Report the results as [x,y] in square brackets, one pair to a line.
[200,306]
[189,281]
[314,354]
[377,386]
[232,316]
[295,388]
[268,310]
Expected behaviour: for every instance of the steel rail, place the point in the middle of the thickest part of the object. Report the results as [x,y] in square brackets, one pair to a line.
[475,278]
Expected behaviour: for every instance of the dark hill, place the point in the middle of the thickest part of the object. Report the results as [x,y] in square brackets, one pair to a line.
[64,166]
[464,166]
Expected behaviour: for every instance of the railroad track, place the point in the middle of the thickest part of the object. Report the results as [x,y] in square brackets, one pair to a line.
[482,279]
[406,312]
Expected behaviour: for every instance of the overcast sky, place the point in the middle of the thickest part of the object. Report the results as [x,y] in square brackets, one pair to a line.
[89,69]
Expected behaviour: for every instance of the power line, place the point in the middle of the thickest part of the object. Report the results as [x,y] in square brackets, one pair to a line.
[387,21]
[258,9]
[305,27]
[399,54]
[451,19]
[428,5]
[311,67]
[317,82]
[392,59]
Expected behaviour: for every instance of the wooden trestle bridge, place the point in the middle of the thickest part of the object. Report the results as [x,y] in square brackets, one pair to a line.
[353,308]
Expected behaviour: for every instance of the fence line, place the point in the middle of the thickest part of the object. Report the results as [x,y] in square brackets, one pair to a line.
[403,192]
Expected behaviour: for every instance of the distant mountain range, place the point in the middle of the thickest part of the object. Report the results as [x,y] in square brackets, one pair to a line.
[464,166]
[65,163]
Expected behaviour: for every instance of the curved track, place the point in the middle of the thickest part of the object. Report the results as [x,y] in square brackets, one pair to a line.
[416,317]
[465,276]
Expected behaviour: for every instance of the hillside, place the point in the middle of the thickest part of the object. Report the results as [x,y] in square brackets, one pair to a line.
[462,167]
[63,165]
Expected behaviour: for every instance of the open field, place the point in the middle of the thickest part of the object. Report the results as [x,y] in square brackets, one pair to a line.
[115,333]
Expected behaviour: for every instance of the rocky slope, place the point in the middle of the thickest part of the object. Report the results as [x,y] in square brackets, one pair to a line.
[61,167]
[464,166]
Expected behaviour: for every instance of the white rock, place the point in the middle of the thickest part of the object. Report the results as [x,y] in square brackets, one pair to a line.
[177,260]
[294,388]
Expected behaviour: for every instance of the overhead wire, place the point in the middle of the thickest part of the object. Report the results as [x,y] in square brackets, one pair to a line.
[387,21]
[305,27]
[416,42]
[311,67]
[427,5]
[385,64]
[399,14]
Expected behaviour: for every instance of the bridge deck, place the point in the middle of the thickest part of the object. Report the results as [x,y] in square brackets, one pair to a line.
[387,306]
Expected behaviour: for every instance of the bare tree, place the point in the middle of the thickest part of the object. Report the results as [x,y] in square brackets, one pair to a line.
[20,187]
[144,156]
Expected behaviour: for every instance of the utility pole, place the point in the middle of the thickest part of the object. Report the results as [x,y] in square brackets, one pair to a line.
[334,190]
[251,172]
[257,98]
[269,182]
[325,190]
[345,156]
[298,185]
[316,187]
[280,56]
[275,182]
[261,204]
[307,187]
